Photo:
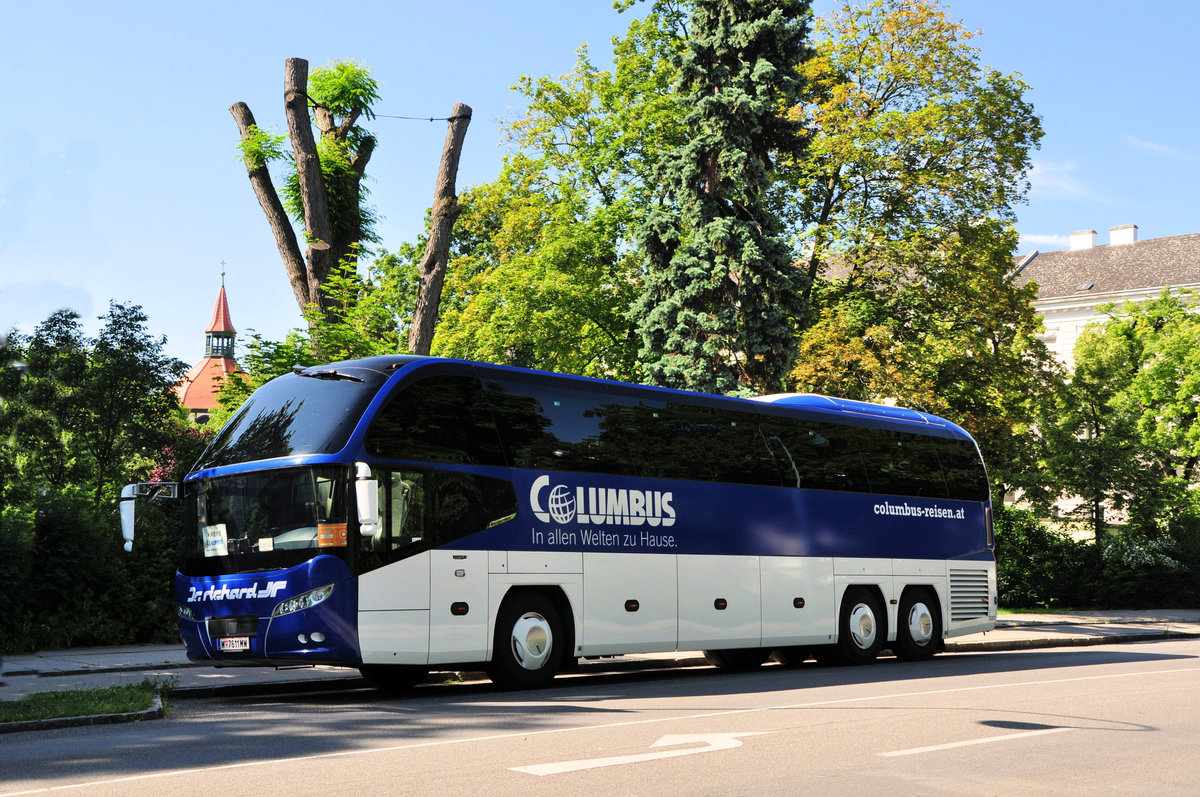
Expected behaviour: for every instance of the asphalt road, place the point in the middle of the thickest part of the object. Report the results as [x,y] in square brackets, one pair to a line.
[1120,719]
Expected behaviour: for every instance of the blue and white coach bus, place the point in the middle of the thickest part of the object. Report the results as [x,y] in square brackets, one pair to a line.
[400,514]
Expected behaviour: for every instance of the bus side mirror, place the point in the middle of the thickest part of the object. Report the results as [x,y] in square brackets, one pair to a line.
[128,499]
[130,493]
[366,493]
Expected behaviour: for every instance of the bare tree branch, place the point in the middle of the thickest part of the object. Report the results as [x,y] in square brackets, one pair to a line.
[312,182]
[445,211]
[277,218]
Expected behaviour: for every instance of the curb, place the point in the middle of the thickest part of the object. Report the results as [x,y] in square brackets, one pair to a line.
[1066,642]
[155,711]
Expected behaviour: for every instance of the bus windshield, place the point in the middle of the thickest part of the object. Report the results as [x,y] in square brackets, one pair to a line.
[310,411]
[269,518]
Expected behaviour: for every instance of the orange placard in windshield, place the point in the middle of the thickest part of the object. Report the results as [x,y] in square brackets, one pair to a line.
[331,535]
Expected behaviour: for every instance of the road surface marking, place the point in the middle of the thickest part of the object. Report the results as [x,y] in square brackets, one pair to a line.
[986,740]
[711,741]
[493,737]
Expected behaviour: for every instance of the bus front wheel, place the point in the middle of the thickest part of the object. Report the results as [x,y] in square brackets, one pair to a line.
[529,642]
[862,629]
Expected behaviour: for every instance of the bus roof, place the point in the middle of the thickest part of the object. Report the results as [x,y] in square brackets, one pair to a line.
[836,409]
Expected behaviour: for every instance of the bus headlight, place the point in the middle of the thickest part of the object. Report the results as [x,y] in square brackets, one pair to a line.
[185,612]
[301,602]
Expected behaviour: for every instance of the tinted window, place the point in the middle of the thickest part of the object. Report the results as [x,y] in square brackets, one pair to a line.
[901,463]
[819,456]
[965,477]
[560,426]
[737,451]
[422,508]
[292,415]
[439,419]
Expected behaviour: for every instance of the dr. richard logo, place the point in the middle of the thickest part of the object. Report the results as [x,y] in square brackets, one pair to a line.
[599,505]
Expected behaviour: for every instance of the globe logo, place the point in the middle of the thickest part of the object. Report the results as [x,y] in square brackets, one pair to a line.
[561,504]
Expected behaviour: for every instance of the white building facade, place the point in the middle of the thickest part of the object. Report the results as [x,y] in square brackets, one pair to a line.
[1074,283]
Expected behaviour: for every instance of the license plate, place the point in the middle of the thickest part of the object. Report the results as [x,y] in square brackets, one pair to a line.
[234,643]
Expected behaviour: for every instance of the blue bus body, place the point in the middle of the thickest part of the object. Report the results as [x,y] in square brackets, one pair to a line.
[634,518]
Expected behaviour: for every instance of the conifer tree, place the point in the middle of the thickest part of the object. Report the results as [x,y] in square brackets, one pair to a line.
[721,292]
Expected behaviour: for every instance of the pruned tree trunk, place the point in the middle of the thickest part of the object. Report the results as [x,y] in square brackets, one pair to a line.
[312,182]
[277,218]
[445,211]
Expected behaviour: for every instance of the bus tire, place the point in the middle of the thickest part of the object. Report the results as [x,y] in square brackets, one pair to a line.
[862,627]
[393,678]
[738,658]
[919,625]
[529,642]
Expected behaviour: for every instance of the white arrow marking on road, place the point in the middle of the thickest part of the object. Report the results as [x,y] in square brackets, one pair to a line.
[712,741]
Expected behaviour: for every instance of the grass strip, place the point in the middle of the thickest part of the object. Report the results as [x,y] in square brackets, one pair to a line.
[121,699]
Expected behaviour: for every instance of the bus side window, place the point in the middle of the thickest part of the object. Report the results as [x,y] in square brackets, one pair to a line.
[438,419]
[901,463]
[965,477]
[406,509]
[402,519]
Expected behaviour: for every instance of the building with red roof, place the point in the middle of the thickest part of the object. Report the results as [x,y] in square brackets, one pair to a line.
[197,390]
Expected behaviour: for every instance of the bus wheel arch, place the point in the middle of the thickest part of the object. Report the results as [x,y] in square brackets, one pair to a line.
[533,637]
[862,625]
[918,624]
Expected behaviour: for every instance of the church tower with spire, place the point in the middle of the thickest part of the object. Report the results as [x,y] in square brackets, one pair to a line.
[197,390]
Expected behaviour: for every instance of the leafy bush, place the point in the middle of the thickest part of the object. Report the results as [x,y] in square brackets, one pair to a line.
[1038,567]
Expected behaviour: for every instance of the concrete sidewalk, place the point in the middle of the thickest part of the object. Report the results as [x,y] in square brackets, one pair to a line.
[83,668]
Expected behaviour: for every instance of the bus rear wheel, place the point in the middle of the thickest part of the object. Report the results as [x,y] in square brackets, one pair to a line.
[393,678]
[529,642]
[862,627]
[919,626]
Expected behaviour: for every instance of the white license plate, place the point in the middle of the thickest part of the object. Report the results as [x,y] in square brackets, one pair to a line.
[234,643]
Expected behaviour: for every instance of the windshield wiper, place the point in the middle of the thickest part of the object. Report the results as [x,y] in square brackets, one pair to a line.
[300,370]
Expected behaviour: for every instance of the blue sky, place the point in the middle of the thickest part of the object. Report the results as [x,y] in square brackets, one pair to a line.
[119,176]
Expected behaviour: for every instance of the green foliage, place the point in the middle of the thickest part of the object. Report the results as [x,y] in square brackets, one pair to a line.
[366,321]
[904,200]
[260,147]
[910,134]
[941,328]
[545,286]
[1039,567]
[87,416]
[543,267]
[346,88]
[720,295]
[1125,435]
[352,219]
[341,92]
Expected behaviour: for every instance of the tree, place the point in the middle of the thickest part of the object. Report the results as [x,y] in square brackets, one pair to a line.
[323,192]
[442,217]
[1126,435]
[90,413]
[720,295]
[544,265]
[80,418]
[904,201]
[548,289]
[941,329]
[128,400]
[911,136]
